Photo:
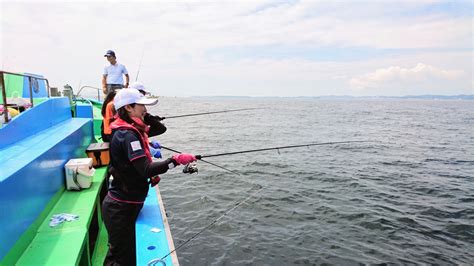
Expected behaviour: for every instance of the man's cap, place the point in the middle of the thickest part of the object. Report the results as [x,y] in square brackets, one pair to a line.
[139,86]
[110,53]
[129,96]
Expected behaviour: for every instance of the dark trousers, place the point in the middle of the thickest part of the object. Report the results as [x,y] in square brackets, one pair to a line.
[119,219]
[113,87]
[105,137]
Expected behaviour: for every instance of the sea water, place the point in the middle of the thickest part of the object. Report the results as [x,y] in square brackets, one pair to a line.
[406,196]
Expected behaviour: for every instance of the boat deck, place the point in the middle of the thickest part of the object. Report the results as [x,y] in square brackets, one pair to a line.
[77,238]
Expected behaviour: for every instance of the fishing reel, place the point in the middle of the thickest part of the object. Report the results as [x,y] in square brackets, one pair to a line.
[190,168]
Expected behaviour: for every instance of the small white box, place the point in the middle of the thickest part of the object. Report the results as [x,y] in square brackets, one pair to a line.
[79,173]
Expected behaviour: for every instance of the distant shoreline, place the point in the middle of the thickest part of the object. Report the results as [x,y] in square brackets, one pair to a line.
[346,97]
[330,97]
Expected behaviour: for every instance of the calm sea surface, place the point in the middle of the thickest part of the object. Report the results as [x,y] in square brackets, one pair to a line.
[404,197]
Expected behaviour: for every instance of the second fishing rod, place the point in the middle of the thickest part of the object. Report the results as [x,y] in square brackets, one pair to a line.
[200,157]
[278,148]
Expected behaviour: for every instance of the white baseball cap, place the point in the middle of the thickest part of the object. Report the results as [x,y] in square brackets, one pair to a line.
[129,96]
[138,86]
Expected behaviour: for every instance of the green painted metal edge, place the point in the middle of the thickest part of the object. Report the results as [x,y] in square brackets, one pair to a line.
[24,241]
[50,249]
[101,247]
[97,131]
[97,112]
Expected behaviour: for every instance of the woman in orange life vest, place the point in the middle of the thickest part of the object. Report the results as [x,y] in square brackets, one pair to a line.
[108,113]
[133,171]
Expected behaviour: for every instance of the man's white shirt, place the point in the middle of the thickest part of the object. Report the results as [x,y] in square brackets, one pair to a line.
[115,73]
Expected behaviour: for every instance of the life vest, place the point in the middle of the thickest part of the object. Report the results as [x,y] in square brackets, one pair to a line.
[121,124]
[109,114]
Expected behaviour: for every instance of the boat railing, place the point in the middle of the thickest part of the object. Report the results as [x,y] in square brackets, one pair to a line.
[32,79]
[89,87]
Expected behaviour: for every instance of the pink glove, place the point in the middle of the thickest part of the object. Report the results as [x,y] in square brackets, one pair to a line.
[184,158]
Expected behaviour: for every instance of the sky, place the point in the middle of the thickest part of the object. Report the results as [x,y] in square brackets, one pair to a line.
[247,48]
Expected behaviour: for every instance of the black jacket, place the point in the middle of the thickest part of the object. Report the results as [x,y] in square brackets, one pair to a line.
[130,166]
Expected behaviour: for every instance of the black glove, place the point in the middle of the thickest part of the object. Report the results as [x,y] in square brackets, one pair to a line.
[155,180]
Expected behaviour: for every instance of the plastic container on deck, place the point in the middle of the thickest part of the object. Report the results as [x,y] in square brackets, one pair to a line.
[79,173]
[99,152]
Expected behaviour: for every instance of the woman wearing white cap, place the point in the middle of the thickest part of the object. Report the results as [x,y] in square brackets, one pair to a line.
[132,169]
[154,121]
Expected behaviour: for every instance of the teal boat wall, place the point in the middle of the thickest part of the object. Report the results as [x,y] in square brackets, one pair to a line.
[151,245]
[84,110]
[34,120]
[34,149]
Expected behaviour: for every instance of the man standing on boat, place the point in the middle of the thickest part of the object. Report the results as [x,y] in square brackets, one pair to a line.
[112,78]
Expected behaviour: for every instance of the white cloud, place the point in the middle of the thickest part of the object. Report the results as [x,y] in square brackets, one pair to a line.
[414,79]
[66,41]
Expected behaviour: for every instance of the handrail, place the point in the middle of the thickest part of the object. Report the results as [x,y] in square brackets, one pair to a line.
[4,92]
[83,87]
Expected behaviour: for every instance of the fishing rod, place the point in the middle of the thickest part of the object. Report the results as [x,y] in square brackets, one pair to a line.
[234,172]
[140,64]
[209,225]
[199,157]
[206,113]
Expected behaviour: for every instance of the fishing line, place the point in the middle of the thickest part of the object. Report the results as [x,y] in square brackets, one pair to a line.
[278,148]
[213,222]
[216,165]
[199,157]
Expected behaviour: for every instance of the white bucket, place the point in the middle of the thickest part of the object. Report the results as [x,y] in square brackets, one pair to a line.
[79,173]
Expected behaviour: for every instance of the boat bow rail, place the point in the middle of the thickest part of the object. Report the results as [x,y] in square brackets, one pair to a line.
[19,86]
[99,91]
